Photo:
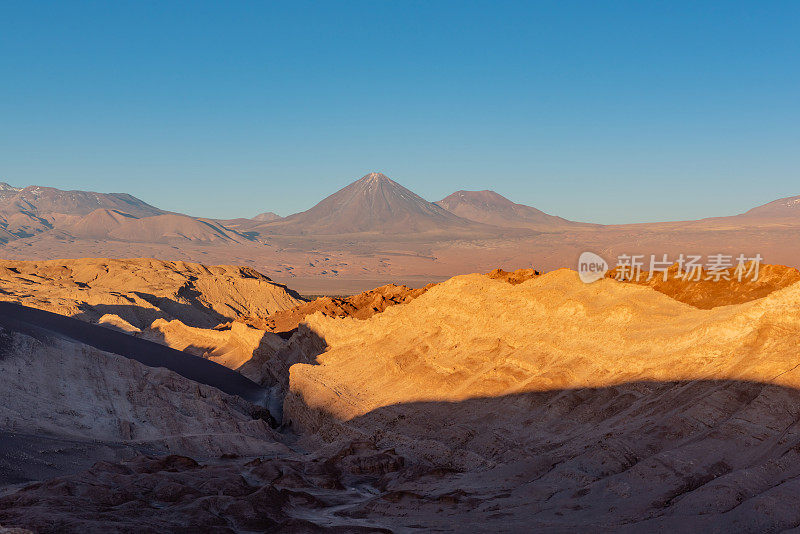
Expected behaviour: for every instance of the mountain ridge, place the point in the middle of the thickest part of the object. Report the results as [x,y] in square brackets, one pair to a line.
[489,207]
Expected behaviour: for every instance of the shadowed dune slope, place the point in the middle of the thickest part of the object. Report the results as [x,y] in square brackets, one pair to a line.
[635,457]
[644,456]
[75,393]
[38,322]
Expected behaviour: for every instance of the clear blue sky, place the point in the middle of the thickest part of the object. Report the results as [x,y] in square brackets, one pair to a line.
[602,111]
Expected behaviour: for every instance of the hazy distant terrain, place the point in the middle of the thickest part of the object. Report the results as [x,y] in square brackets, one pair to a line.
[372,232]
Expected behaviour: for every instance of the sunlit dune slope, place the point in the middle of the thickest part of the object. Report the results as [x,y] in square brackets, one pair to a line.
[231,346]
[477,337]
[708,292]
[131,294]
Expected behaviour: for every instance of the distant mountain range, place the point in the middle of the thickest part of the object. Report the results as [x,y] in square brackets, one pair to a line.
[47,200]
[372,206]
[26,212]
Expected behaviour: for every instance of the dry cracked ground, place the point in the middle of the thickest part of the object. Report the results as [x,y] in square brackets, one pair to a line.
[508,402]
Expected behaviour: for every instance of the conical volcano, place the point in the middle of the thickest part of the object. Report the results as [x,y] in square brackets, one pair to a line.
[374,204]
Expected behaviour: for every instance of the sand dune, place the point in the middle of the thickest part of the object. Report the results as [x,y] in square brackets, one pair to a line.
[232,345]
[226,314]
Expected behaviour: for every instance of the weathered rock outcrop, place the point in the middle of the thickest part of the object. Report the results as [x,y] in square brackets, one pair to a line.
[67,405]
[136,292]
[704,290]
[360,306]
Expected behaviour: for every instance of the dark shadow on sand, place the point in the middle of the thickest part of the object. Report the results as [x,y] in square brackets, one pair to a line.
[38,323]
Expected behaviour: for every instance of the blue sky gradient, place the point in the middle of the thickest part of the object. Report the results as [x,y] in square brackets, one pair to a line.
[601,111]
